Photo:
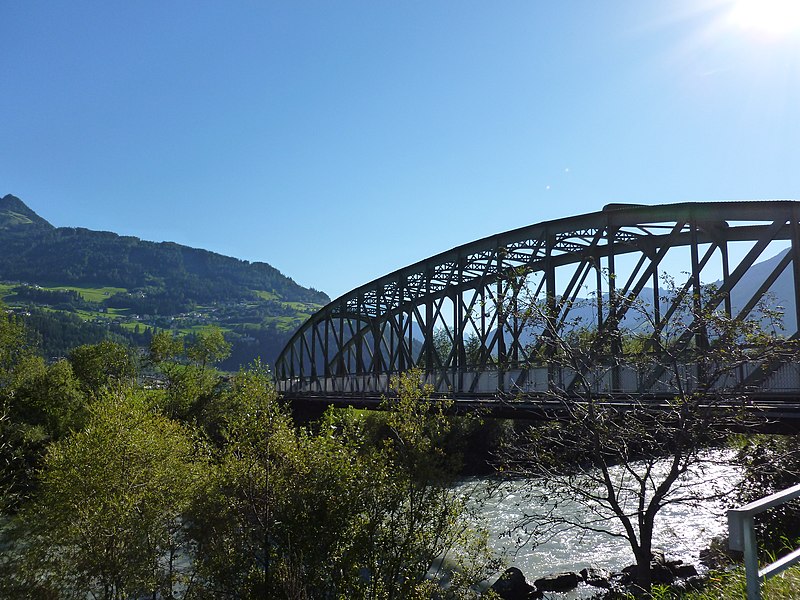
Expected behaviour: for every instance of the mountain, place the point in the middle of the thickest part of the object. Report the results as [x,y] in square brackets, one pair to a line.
[134,286]
[32,250]
[15,214]
[781,293]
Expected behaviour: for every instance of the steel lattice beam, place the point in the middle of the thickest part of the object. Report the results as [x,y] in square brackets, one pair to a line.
[454,315]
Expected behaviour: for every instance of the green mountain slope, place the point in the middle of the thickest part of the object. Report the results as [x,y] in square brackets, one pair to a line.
[14,213]
[132,286]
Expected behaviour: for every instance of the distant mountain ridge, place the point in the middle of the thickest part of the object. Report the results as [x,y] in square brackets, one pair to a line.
[780,297]
[70,280]
[781,293]
[32,250]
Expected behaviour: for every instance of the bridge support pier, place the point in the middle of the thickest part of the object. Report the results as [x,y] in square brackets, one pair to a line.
[304,413]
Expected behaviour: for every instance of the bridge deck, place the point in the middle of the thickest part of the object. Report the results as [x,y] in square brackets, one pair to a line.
[776,411]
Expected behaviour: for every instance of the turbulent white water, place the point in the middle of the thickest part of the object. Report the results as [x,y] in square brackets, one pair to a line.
[681,530]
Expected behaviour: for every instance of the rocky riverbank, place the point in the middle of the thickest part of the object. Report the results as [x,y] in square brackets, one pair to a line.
[513,585]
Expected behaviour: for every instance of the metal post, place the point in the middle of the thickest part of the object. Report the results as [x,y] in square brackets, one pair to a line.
[501,323]
[795,250]
[553,373]
[612,321]
[742,537]
[751,559]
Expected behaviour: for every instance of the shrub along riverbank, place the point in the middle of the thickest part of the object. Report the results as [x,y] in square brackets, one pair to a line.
[205,488]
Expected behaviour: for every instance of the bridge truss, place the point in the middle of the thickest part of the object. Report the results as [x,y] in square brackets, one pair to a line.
[465,316]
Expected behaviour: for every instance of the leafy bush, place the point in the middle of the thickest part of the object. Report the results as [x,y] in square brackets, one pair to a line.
[772,463]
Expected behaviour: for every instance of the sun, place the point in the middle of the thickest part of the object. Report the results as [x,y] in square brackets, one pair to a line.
[770,18]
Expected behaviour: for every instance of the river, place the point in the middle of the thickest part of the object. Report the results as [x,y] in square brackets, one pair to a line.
[681,530]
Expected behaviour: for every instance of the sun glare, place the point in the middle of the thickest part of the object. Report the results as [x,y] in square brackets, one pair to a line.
[771,18]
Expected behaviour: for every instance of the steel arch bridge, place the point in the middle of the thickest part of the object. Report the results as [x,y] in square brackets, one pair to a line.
[457,315]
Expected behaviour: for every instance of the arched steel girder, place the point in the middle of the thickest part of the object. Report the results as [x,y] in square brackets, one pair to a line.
[463,295]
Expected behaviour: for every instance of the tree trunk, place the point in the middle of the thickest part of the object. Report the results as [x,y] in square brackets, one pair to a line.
[644,580]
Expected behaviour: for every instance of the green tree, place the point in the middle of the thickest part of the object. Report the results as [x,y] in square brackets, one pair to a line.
[102,364]
[615,455]
[18,449]
[165,348]
[278,521]
[416,519]
[189,371]
[49,397]
[45,403]
[15,464]
[329,513]
[234,538]
[107,521]
[772,464]
[14,348]
[474,351]
[442,345]
[208,348]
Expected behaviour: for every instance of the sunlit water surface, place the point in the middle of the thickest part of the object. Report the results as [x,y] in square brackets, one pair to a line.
[681,531]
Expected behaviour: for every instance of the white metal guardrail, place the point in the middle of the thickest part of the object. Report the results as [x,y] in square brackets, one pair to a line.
[535,379]
[742,537]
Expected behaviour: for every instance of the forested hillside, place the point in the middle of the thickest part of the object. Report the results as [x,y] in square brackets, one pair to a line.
[76,280]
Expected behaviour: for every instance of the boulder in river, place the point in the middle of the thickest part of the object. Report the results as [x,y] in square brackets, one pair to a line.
[658,573]
[681,570]
[512,585]
[595,577]
[560,582]
[662,570]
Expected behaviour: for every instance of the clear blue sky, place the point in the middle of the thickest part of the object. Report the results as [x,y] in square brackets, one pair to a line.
[339,141]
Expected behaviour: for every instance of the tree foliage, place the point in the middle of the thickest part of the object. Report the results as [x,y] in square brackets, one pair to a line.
[189,371]
[18,448]
[328,514]
[14,348]
[209,489]
[107,520]
[105,363]
[772,464]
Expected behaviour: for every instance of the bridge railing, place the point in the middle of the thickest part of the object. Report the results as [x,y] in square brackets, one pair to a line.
[532,381]
[741,533]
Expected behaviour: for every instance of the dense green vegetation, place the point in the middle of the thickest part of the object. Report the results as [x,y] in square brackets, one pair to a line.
[731,585]
[772,464]
[78,286]
[184,484]
[125,476]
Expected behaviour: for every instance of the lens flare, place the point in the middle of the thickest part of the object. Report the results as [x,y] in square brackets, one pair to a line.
[772,18]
